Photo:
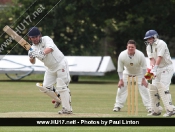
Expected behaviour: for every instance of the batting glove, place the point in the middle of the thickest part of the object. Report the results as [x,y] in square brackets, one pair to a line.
[40,55]
[31,54]
[154,70]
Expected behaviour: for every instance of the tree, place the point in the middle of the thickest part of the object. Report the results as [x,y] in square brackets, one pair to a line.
[133,18]
[95,27]
[6,18]
[73,25]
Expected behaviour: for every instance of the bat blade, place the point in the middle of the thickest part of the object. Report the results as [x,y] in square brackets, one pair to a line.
[17,38]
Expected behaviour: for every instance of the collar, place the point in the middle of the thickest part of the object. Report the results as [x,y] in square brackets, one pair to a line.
[131,55]
[156,42]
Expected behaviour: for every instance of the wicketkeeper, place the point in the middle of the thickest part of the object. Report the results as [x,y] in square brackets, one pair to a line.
[57,72]
[131,62]
[162,69]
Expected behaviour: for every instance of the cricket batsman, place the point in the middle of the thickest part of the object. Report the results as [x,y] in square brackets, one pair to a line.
[57,72]
[162,71]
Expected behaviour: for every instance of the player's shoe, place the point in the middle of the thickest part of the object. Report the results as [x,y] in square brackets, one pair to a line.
[57,104]
[154,114]
[116,109]
[64,111]
[149,110]
[169,113]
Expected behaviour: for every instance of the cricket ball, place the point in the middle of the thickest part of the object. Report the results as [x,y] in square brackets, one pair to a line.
[53,101]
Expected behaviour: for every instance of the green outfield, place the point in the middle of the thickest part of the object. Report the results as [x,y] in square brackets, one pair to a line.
[91,97]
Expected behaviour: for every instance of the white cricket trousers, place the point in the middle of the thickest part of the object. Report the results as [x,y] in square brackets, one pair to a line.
[62,72]
[122,93]
[164,76]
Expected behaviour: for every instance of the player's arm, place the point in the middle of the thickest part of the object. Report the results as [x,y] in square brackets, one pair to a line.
[143,65]
[160,52]
[120,67]
[150,55]
[120,71]
[152,61]
[154,65]
[158,60]
[47,50]
[120,83]
[49,45]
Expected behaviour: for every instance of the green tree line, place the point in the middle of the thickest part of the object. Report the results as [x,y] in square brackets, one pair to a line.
[90,27]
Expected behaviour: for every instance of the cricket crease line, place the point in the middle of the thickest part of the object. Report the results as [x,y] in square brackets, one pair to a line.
[37,24]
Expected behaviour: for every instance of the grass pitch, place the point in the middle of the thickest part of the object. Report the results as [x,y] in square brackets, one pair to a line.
[91,97]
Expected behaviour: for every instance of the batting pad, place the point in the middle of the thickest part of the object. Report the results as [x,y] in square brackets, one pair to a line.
[70,98]
[64,94]
[65,99]
[154,98]
[164,94]
[49,92]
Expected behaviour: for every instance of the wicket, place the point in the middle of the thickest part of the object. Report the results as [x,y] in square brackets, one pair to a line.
[132,100]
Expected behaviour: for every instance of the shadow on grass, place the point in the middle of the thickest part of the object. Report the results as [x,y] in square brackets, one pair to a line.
[79,82]
[21,80]
[95,82]
[109,78]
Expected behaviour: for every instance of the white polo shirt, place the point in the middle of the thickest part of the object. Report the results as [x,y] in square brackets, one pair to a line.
[131,65]
[159,48]
[52,60]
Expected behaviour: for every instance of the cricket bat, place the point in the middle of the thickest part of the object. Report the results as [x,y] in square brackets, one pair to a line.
[17,38]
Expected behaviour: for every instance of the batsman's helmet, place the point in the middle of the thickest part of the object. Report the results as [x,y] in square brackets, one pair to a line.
[150,34]
[34,31]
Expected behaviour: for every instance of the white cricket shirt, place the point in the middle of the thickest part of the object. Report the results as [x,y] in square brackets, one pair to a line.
[52,60]
[159,48]
[131,65]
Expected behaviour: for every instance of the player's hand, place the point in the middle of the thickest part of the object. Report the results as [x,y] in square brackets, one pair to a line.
[40,55]
[144,82]
[31,54]
[121,83]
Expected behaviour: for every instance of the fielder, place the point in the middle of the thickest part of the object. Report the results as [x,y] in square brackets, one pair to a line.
[131,62]
[162,69]
[44,49]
